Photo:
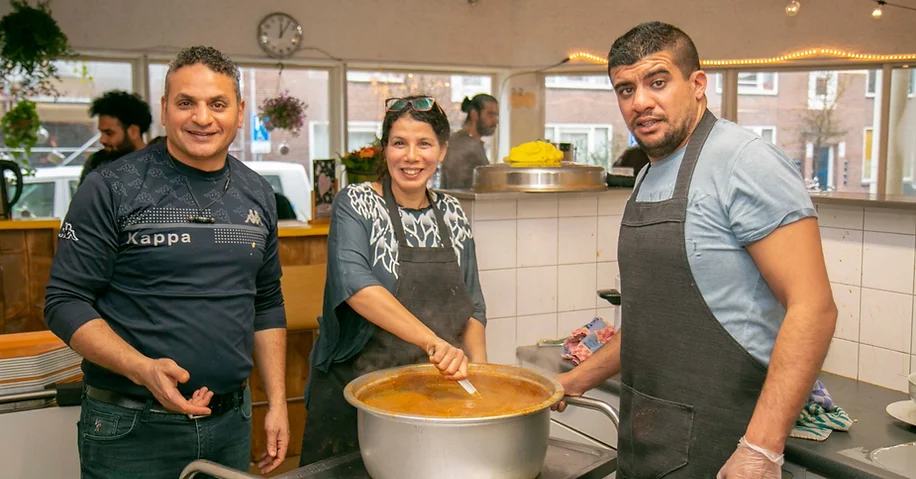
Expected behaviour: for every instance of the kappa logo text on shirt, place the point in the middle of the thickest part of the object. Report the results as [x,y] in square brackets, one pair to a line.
[158,239]
[253,218]
[67,232]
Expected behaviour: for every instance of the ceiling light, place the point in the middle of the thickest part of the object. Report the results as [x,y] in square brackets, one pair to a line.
[792,8]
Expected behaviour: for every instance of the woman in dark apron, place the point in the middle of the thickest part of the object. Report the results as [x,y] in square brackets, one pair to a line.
[404,258]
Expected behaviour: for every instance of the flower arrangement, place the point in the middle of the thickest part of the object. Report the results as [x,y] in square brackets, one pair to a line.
[283,112]
[362,164]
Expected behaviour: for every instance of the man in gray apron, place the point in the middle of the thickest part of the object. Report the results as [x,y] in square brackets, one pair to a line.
[719,252]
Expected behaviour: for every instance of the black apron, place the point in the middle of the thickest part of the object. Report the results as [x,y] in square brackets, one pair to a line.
[688,388]
[430,285]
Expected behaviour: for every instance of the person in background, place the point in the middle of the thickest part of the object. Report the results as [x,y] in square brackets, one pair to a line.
[465,147]
[634,158]
[285,210]
[167,283]
[402,278]
[123,119]
[728,312]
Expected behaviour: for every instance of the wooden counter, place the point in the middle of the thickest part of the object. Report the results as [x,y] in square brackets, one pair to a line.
[26,250]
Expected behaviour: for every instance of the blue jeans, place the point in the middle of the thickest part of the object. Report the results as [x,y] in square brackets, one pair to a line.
[117,442]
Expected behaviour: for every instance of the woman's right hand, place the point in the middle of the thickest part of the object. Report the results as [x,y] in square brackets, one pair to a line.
[451,361]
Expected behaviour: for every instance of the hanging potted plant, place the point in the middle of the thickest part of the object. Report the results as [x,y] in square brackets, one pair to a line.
[283,112]
[362,164]
[20,129]
[30,42]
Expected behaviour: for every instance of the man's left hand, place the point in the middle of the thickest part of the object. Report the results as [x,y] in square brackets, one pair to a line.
[747,463]
[276,424]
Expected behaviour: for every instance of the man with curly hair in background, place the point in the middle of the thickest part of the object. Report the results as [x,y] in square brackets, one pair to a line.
[123,119]
[167,283]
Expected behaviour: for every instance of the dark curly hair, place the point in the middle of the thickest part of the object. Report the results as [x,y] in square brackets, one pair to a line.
[128,108]
[650,38]
[435,118]
[209,57]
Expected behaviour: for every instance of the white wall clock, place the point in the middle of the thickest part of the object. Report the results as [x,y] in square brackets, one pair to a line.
[279,35]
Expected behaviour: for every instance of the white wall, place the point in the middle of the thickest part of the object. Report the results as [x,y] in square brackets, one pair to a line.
[870,255]
[514,33]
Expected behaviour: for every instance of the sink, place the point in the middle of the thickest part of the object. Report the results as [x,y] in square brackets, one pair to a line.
[900,458]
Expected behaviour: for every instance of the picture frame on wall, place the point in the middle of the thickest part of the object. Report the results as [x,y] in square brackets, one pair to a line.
[324,179]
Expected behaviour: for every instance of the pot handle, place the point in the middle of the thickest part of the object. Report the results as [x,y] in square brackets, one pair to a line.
[203,466]
[596,405]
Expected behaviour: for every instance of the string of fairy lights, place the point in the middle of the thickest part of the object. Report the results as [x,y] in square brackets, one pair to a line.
[792,9]
[810,53]
[794,6]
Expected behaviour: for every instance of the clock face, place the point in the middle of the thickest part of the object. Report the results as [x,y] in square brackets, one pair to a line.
[279,35]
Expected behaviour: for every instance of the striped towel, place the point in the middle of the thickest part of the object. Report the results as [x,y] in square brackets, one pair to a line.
[819,417]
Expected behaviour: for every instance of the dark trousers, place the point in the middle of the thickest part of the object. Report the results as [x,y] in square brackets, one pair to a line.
[118,442]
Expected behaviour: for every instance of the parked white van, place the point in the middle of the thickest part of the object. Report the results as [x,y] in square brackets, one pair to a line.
[47,193]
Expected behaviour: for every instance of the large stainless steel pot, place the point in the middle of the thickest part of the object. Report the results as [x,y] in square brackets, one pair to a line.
[511,446]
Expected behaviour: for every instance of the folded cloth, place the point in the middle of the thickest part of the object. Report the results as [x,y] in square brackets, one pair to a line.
[534,154]
[820,416]
[586,340]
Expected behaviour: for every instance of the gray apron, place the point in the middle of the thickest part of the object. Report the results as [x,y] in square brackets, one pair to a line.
[688,388]
[430,285]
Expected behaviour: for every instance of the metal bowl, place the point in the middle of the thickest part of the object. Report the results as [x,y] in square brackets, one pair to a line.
[566,177]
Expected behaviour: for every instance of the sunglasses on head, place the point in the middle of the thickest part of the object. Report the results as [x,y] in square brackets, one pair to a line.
[418,104]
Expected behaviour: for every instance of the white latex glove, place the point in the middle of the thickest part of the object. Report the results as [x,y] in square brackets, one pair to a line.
[752,462]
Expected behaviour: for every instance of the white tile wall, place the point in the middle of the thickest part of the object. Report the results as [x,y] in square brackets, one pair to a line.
[576,286]
[537,242]
[871,261]
[537,290]
[843,255]
[501,286]
[542,259]
[530,329]
[578,240]
[497,239]
[539,206]
[883,367]
[847,303]
[887,261]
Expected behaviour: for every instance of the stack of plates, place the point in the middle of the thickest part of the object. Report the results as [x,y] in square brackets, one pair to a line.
[32,361]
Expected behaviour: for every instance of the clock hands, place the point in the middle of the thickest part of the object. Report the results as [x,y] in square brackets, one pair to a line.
[284,27]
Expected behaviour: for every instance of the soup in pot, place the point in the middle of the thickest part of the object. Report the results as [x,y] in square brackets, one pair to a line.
[429,394]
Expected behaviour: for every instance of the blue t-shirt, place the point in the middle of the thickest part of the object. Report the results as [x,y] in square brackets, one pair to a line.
[742,189]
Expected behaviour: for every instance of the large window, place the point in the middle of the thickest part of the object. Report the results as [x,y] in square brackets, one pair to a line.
[583,110]
[824,119]
[367,91]
[901,134]
[259,84]
[753,83]
[68,135]
[873,76]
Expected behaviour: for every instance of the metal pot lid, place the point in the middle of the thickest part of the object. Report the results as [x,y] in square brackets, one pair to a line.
[568,177]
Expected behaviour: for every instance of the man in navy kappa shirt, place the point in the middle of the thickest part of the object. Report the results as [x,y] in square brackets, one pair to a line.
[167,282]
